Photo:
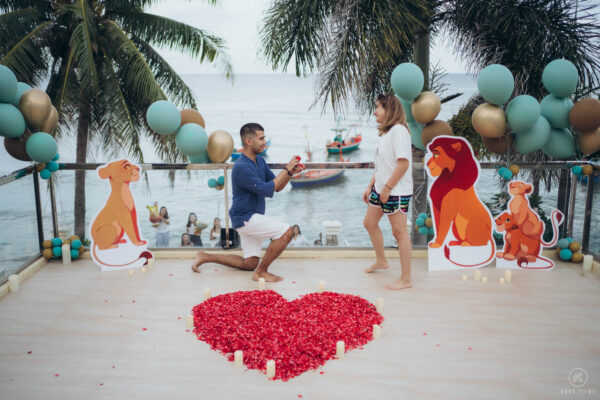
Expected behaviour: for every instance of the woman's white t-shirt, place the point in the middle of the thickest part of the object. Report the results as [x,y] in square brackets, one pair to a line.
[162,227]
[394,145]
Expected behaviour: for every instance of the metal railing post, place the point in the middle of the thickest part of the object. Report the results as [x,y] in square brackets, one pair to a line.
[38,208]
[587,218]
[53,205]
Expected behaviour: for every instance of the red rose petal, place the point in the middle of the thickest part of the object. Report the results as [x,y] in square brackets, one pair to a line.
[56,375]
[114,367]
[187,330]
[170,274]
[470,348]
[437,345]
[133,301]
[321,372]
[144,329]
[216,270]
[299,396]
[29,352]
[178,317]
[424,333]
[106,301]
[101,384]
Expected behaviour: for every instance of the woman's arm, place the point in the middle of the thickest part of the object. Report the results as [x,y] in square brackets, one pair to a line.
[399,171]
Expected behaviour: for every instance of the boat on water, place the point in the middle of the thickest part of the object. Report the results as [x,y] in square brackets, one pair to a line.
[344,143]
[315,177]
[237,153]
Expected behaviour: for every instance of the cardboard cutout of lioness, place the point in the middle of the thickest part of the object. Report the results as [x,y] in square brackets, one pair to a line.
[116,239]
[463,225]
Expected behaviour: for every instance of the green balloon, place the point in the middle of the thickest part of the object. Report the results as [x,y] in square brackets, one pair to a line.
[560,144]
[41,147]
[212,183]
[523,112]
[496,84]
[8,84]
[221,180]
[163,117]
[12,123]
[415,134]
[407,81]
[560,77]
[22,87]
[533,139]
[191,139]
[407,110]
[200,159]
[556,110]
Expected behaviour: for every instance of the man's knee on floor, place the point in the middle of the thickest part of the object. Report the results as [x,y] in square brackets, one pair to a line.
[251,263]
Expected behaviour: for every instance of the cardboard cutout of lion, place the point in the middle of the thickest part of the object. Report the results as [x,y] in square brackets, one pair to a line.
[463,225]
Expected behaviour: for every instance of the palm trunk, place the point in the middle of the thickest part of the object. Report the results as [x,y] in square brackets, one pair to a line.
[81,156]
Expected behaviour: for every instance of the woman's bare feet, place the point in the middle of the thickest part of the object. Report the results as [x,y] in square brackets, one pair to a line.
[376,266]
[268,276]
[399,284]
[198,261]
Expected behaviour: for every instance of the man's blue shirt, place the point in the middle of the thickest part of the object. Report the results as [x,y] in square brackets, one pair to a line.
[251,182]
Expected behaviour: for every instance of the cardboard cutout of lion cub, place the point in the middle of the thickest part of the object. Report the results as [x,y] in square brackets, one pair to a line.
[116,239]
[463,225]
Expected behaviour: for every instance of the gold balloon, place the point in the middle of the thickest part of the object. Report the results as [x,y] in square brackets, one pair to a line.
[429,222]
[220,146]
[587,170]
[191,116]
[434,129]
[574,246]
[35,105]
[47,244]
[426,107]
[489,120]
[514,169]
[47,254]
[40,167]
[589,142]
[577,257]
[51,122]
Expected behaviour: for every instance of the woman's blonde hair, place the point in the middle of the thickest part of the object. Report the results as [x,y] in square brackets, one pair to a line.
[394,113]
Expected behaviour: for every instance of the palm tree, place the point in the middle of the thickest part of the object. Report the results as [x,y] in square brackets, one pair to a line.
[102,69]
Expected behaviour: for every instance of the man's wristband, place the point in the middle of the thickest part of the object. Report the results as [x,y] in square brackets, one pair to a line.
[387,186]
[288,171]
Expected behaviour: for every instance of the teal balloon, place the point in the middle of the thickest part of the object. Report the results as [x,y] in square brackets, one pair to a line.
[163,117]
[191,139]
[562,243]
[56,242]
[212,183]
[566,254]
[560,144]
[8,85]
[560,77]
[407,81]
[406,106]
[220,180]
[76,244]
[523,112]
[570,239]
[577,170]
[424,231]
[430,231]
[41,147]
[534,138]
[496,84]
[415,134]
[74,254]
[22,87]
[12,123]
[423,215]
[556,111]
[57,251]
[200,159]
[45,174]
[507,174]
[52,166]
[55,158]
[420,222]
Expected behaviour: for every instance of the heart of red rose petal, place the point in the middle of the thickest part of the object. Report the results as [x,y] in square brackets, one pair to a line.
[299,335]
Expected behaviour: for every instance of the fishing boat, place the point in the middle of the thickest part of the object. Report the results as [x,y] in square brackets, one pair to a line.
[344,143]
[315,177]
[237,153]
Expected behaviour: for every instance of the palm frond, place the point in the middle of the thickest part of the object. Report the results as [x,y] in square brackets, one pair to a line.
[12,5]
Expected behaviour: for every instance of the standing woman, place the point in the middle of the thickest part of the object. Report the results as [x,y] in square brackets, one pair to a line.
[162,228]
[192,230]
[390,188]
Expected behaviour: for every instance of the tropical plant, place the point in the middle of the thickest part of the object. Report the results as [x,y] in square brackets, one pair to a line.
[102,69]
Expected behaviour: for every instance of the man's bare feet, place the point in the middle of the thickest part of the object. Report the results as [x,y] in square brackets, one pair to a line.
[376,266]
[398,284]
[198,261]
[268,276]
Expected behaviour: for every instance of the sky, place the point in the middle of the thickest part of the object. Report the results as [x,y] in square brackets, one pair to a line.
[238,22]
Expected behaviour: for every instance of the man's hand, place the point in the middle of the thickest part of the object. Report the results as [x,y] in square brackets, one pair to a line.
[385,195]
[294,165]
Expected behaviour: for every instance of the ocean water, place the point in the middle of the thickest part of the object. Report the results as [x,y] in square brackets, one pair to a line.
[282,104]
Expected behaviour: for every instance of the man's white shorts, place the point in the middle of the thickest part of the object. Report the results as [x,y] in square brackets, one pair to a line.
[256,230]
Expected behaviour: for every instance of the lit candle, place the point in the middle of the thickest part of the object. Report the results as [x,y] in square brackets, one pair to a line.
[150,262]
[66,253]
[588,260]
[340,349]
[189,321]
[379,304]
[321,286]
[238,360]
[502,281]
[207,294]
[484,279]
[13,283]
[144,269]
[464,277]
[477,275]
[270,369]
[130,272]
[376,331]
[261,283]
[507,276]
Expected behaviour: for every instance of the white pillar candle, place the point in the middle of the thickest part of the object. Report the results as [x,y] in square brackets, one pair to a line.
[588,260]
[484,279]
[321,286]
[207,294]
[502,281]
[270,369]
[507,276]
[150,262]
[238,360]
[261,284]
[189,321]
[144,269]
[13,283]
[66,253]
[376,331]
[379,304]
[340,349]
[464,277]
[130,272]
[477,275]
